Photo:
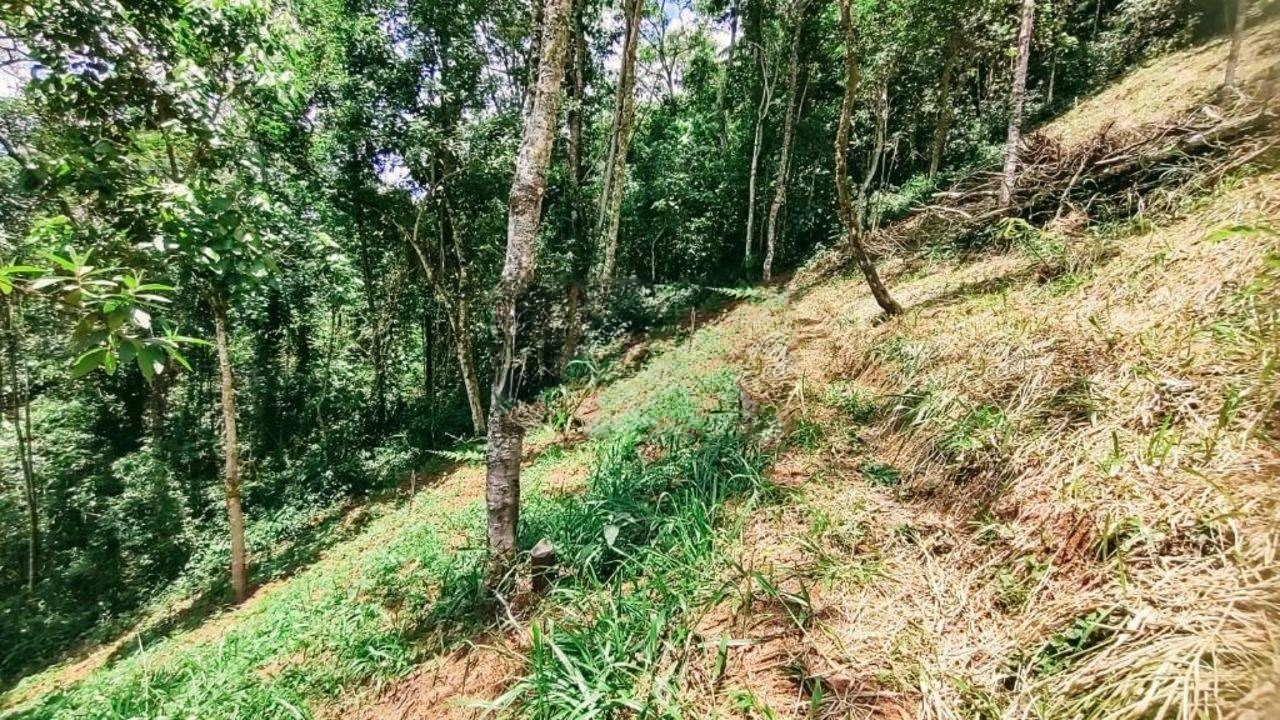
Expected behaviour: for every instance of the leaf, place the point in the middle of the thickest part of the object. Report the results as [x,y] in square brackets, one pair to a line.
[148,359]
[88,362]
[141,318]
[610,534]
[178,358]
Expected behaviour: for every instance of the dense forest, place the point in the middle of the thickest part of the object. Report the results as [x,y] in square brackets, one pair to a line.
[261,260]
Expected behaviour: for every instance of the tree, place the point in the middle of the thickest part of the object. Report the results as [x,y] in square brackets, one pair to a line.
[798,16]
[615,171]
[945,106]
[766,80]
[524,212]
[848,219]
[1237,39]
[1017,99]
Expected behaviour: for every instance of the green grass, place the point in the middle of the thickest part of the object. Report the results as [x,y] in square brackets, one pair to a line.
[408,588]
[616,636]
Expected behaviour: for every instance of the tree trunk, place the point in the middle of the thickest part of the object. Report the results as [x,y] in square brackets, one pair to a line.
[230,453]
[881,113]
[1233,55]
[467,368]
[788,134]
[429,360]
[1017,98]
[22,434]
[505,432]
[848,220]
[625,110]
[762,110]
[451,291]
[580,250]
[572,331]
[943,126]
[722,91]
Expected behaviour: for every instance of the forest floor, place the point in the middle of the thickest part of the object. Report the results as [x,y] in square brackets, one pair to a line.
[1044,491]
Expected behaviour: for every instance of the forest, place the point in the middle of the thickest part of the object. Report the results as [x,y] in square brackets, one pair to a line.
[267,266]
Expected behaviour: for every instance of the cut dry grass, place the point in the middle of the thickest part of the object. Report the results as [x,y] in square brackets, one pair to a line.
[1167,86]
[1098,452]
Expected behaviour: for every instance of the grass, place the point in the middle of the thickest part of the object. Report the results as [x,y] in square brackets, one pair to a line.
[1111,397]
[410,586]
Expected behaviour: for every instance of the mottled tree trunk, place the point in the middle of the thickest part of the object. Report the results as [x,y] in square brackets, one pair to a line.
[881,113]
[1017,99]
[616,180]
[505,432]
[451,292]
[230,452]
[788,135]
[580,263]
[1237,39]
[467,367]
[22,435]
[762,112]
[943,126]
[849,220]
[572,331]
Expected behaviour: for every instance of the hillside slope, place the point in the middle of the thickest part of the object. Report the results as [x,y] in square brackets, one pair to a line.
[1048,490]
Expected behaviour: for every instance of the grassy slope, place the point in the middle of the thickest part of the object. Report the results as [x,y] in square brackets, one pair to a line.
[1025,494]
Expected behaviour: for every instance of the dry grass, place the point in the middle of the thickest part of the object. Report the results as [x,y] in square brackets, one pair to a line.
[1089,451]
[1167,86]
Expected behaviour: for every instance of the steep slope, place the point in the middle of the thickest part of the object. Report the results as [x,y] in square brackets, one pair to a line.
[1047,491]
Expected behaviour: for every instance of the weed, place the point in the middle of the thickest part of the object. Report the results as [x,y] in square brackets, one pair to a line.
[1078,400]
[1120,538]
[1069,645]
[880,474]
[807,434]
[1016,581]
[908,355]
[855,405]
[980,428]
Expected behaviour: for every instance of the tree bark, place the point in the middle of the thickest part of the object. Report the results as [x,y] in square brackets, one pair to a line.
[762,110]
[22,434]
[451,291]
[788,135]
[615,182]
[1237,39]
[881,113]
[230,453]
[580,249]
[1017,98]
[848,219]
[467,367]
[943,126]
[505,432]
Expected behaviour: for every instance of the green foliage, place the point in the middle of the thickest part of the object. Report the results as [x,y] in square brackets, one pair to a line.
[1070,645]
[164,158]
[880,474]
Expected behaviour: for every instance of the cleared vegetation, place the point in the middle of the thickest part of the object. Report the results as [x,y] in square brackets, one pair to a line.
[1047,489]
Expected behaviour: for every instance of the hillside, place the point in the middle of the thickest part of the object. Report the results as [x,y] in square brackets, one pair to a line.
[1048,490]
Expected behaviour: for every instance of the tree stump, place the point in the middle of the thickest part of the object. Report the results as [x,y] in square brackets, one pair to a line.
[542,561]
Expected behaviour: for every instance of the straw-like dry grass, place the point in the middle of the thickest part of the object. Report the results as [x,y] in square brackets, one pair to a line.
[1038,494]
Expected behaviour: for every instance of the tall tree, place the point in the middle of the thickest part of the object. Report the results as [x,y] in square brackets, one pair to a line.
[579,249]
[757,144]
[798,14]
[230,451]
[524,215]
[1017,99]
[615,172]
[848,218]
[943,124]
[1237,39]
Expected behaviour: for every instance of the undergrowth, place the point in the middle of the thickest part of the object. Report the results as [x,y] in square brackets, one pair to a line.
[407,588]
